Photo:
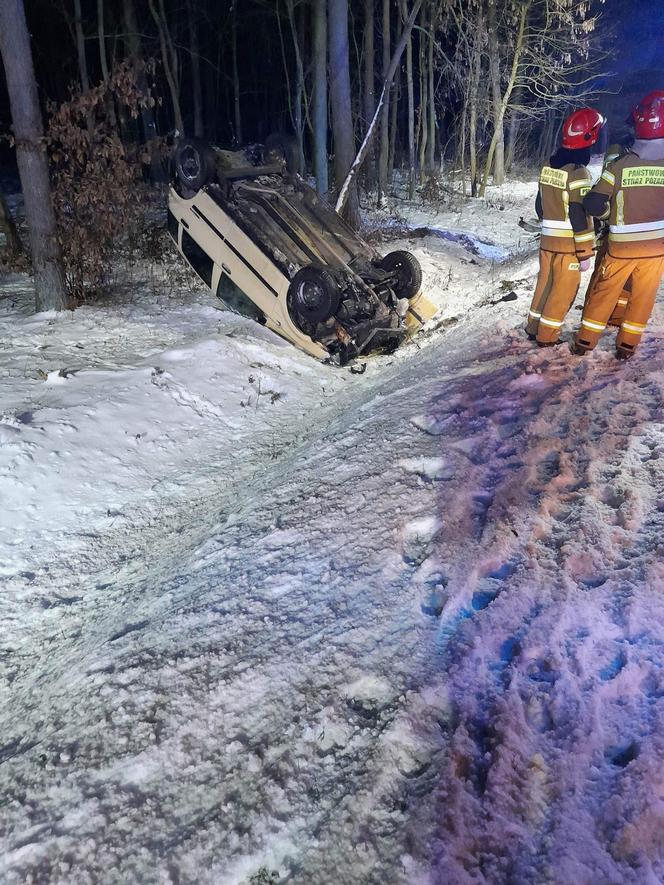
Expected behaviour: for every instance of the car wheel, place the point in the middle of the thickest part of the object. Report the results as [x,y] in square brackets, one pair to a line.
[280,147]
[406,272]
[194,164]
[313,297]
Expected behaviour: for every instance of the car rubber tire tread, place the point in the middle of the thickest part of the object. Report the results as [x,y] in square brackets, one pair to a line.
[411,283]
[307,317]
[207,164]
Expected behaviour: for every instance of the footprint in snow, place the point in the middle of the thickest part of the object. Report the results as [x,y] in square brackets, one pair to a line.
[434,602]
[542,671]
[483,598]
[593,582]
[435,595]
[548,468]
[510,649]
[506,570]
[481,502]
[492,585]
[622,755]
[614,667]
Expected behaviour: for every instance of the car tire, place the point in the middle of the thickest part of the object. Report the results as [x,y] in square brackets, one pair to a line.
[283,148]
[406,270]
[313,297]
[193,164]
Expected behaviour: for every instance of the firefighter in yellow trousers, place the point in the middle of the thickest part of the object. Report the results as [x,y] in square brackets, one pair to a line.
[568,238]
[613,152]
[630,193]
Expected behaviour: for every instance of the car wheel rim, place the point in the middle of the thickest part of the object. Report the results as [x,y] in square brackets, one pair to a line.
[309,295]
[190,163]
[401,273]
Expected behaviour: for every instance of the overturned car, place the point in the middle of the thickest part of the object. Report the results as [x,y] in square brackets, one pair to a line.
[271,249]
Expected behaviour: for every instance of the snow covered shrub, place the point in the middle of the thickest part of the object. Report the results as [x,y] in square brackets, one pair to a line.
[438,191]
[98,191]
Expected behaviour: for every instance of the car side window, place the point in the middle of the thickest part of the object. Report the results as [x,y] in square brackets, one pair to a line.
[197,257]
[172,225]
[235,299]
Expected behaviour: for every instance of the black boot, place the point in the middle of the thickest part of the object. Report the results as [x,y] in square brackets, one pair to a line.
[577,349]
[624,352]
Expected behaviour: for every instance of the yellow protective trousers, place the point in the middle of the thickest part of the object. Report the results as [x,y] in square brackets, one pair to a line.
[646,274]
[616,317]
[555,291]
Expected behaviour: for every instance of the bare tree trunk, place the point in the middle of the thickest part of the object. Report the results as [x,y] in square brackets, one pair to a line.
[553,137]
[135,53]
[297,35]
[544,138]
[195,69]
[320,95]
[14,246]
[394,63]
[211,91]
[464,129]
[548,138]
[80,47]
[496,96]
[103,61]
[384,154]
[285,62]
[431,146]
[423,122]
[513,132]
[498,128]
[169,60]
[236,77]
[340,97]
[369,82]
[411,107]
[31,156]
[473,96]
[395,99]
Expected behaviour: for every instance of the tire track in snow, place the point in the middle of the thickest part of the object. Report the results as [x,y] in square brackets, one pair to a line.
[290,703]
[523,740]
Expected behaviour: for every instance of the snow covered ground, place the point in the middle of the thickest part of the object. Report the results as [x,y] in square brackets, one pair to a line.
[267,621]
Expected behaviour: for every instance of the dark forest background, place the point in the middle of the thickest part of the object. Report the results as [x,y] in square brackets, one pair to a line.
[235,71]
[430,96]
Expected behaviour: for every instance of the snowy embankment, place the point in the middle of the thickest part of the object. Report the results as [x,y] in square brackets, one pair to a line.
[404,627]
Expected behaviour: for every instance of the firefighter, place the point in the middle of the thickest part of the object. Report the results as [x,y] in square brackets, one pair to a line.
[568,238]
[614,152]
[630,193]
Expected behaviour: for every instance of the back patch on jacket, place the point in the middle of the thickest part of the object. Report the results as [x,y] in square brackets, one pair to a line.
[554,177]
[643,176]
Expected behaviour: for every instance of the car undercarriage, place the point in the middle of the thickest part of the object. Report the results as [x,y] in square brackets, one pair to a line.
[339,292]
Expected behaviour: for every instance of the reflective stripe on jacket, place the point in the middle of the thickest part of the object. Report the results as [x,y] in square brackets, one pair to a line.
[635,189]
[559,189]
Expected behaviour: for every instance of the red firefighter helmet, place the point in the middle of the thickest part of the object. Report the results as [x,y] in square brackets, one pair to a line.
[648,116]
[581,129]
